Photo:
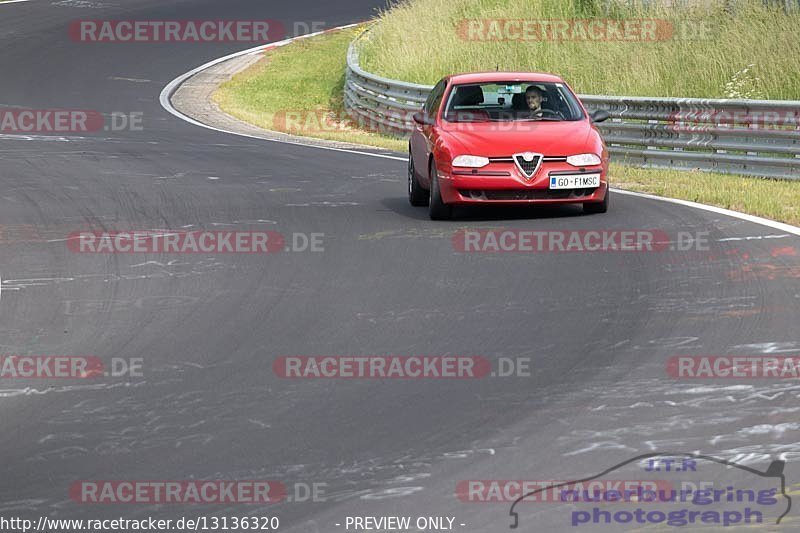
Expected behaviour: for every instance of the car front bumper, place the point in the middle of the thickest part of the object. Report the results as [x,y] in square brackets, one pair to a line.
[505,184]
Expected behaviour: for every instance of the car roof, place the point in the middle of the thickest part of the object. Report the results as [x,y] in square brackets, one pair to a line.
[488,77]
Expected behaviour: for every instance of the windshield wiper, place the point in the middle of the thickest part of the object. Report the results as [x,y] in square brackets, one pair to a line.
[550,119]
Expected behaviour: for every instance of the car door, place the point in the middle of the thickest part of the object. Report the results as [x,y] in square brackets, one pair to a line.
[422,136]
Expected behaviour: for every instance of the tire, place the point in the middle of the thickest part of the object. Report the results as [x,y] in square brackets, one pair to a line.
[437,209]
[417,196]
[599,207]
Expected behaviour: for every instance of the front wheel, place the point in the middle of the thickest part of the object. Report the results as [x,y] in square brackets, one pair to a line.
[437,209]
[599,207]
[417,196]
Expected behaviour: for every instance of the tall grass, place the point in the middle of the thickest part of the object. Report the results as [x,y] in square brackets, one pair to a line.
[417,40]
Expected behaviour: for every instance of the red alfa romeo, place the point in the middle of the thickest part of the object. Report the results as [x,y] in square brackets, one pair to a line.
[506,138]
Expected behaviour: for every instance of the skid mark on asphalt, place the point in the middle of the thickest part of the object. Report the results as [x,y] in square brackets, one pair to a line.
[689,303]
[132,80]
[175,176]
[128,424]
[30,233]
[159,271]
[33,391]
[770,347]
[21,505]
[407,233]
[419,313]
[765,272]
[702,415]
[323,204]
[755,237]
[52,138]
[81,4]
[775,264]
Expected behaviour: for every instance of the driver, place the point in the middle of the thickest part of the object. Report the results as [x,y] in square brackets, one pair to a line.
[534,97]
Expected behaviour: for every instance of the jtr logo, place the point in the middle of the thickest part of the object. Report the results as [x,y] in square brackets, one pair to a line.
[671,465]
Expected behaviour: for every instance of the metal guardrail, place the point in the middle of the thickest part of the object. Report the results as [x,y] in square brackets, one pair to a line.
[381,101]
[751,137]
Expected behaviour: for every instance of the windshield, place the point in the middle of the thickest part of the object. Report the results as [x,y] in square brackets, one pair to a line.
[512,101]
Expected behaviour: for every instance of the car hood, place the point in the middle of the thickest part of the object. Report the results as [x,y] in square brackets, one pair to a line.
[498,139]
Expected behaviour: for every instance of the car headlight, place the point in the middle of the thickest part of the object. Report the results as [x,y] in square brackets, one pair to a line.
[473,161]
[583,160]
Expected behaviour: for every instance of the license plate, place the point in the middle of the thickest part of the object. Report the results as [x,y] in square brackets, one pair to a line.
[577,181]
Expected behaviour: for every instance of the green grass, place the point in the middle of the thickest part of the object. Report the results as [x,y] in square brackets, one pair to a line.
[765,38]
[304,81]
[309,75]
[773,199]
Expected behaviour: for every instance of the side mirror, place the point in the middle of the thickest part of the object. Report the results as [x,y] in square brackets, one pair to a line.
[420,118]
[600,115]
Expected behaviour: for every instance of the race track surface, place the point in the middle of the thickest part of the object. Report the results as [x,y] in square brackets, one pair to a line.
[597,328]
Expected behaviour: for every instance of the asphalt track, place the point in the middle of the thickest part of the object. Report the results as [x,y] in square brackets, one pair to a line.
[597,327]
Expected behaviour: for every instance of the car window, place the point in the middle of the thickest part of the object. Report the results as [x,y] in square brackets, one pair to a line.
[506,101]
[435,98]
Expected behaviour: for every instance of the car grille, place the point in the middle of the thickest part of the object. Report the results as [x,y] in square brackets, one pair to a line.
[532,194]
[528,167]
[546,159]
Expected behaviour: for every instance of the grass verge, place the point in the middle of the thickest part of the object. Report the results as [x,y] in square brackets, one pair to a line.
[299,89]
[768,198]
[308,76]
[724,50]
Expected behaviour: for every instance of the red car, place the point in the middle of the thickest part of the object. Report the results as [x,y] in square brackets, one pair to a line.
[506,138]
